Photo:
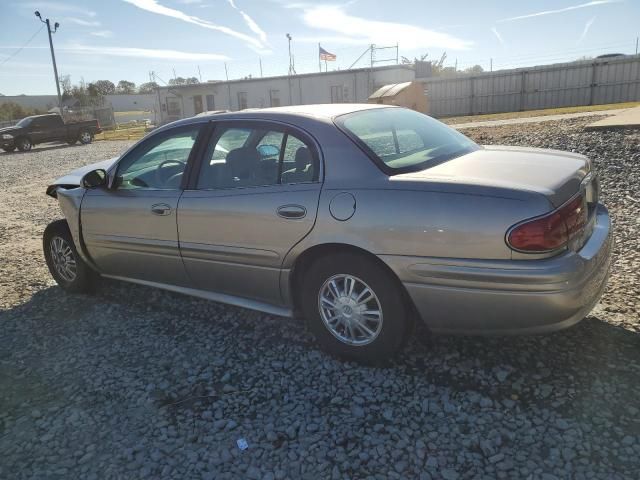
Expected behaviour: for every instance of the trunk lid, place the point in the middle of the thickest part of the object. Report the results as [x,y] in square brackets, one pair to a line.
[555,174]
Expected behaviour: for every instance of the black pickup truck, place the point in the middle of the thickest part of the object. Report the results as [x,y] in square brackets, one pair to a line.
[46,128]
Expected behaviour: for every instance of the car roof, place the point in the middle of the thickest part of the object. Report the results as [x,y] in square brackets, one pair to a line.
[323,113]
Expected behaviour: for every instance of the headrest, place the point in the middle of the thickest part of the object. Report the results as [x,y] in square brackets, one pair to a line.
[303,158]
[243,161]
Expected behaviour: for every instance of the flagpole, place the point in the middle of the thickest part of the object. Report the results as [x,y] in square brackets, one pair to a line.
[319,61]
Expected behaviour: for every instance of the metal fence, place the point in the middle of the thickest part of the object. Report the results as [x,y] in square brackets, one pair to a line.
[591,82]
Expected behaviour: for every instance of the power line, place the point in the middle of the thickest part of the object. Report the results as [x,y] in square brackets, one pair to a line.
[22,47]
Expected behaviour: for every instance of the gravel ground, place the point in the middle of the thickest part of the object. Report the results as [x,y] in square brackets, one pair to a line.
[139,383]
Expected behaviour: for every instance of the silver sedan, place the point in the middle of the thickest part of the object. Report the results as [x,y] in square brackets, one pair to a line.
[358,218]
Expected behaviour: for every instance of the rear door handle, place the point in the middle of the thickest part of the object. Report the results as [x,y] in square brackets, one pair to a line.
[160,209]
[292,211]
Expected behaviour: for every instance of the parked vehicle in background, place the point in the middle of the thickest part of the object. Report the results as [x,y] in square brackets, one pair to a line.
[51,127]
[356,217]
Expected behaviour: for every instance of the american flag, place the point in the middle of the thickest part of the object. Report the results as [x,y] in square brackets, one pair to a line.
[326,56]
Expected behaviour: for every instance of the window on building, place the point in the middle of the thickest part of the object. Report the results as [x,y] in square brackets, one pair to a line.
[337,94]
[173,107]
[211,103]
[242,100]
[197,104]
[274,95]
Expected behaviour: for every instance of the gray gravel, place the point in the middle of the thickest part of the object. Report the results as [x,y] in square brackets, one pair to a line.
[139,383]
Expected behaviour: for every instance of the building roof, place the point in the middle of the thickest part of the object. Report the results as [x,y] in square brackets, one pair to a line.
[389,91]
[283,77]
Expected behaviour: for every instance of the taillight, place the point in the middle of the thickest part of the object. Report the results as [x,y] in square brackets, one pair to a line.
[551,231]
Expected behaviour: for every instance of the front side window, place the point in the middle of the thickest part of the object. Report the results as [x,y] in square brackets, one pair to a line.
[159,162]
[251,157]
[404,140]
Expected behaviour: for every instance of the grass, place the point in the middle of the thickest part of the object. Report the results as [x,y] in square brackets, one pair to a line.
[537,113]
[132,112]
[127,133]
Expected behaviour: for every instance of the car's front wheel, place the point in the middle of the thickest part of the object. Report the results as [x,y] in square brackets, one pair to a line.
[355,308]
[66,266]
[24,144]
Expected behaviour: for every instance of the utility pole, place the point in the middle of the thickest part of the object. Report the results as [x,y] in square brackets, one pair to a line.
[491,65]
[260,60]
[292,68]
[637,44]
[53,56]
[199,74]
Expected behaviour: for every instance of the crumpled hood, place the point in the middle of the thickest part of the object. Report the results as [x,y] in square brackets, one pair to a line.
[72,179]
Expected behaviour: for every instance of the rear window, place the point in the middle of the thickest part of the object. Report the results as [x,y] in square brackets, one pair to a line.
[402,140]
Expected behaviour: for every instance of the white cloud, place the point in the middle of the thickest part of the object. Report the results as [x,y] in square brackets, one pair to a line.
[153,53]
[59,7]
[560,10]
[587,26]
[255,28]
[82,22]
[154,7]
[102,33]
[497,34]
[363,31]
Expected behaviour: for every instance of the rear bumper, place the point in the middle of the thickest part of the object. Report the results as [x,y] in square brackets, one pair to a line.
[509,296]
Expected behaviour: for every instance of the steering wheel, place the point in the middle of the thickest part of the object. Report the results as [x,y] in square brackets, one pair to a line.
[160,180]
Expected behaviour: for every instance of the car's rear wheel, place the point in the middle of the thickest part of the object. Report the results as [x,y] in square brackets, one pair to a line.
[85,137]
[66,266]
[23,144]
[9,149]
[355,307]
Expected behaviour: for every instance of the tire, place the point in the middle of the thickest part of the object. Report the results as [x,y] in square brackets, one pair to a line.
[85,137]
[24,144]
[77,277]
[9,149]
[389,333]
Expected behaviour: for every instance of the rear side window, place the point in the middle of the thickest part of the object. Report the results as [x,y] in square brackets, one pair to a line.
[401,140]
[252,157]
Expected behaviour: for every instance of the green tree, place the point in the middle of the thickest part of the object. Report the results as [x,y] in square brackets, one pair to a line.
[148,87]
[124,87]
[105,87]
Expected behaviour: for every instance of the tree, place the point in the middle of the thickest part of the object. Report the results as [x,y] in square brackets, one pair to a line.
[474,69]
[105,87]
[124,87]
[148,87]
[183,81]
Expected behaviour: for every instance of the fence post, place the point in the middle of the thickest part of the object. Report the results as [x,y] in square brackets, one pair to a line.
[593,83]
[523,84]
[472,95]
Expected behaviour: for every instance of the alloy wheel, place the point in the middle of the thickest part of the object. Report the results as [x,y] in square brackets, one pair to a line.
[63,259]
[350,310]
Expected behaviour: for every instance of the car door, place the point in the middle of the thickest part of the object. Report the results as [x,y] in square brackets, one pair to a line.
[130,229]
[240,214]
[37,130]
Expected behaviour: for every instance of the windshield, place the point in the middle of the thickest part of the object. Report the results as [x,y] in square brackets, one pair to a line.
[404,140]
[24,122]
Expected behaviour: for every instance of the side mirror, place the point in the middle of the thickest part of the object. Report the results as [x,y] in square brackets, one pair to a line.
[94,179]
[268,151]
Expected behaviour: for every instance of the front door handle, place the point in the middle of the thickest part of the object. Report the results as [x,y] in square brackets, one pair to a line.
[292,211]
[160,209]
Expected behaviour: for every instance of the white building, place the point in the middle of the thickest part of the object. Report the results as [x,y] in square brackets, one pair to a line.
[328,87]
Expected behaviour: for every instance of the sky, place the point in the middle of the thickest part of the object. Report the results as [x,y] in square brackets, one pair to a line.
[128,39]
